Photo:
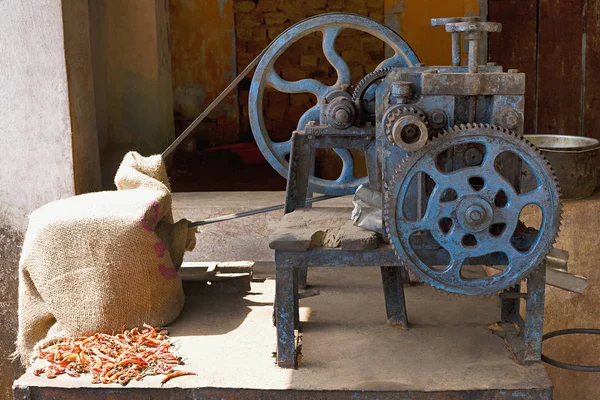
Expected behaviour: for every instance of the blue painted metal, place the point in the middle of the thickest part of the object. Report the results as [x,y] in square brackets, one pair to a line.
[489,102]
[330,25]
[495,141]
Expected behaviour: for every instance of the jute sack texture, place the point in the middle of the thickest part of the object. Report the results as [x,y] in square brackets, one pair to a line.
[95,262]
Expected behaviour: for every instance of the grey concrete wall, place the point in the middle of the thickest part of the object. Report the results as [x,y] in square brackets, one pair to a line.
[46,142]
[132,79]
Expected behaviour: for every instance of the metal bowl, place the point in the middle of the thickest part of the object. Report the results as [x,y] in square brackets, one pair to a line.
[574,159]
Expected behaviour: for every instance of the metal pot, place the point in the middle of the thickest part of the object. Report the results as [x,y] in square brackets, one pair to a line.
[574,159]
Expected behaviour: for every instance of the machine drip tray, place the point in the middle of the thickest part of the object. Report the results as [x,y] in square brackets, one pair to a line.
[348,350]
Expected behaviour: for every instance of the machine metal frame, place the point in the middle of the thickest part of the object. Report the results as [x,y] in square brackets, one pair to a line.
[525,341]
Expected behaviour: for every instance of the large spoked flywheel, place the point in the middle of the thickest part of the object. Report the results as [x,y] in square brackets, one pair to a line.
[265,76]
[471,213]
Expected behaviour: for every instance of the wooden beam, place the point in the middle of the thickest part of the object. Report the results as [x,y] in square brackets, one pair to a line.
[560,80]
[516,47]
[591,114]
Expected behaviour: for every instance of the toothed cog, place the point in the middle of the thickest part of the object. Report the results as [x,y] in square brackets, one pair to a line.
[472,210]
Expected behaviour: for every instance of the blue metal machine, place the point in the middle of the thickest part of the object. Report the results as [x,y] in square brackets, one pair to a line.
[444,147]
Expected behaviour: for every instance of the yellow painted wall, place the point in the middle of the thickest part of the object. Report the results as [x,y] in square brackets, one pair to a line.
[411,19]
[204,63]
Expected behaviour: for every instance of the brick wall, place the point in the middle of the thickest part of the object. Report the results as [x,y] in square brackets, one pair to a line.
[258,22]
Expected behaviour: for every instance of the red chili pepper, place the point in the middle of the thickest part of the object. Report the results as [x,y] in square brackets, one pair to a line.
[118,358]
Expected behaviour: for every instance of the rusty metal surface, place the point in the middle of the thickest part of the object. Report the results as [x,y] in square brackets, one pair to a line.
[37,393]
[488,84]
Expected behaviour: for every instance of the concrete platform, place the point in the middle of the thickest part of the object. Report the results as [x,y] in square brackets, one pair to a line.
[348,350]
[240,239]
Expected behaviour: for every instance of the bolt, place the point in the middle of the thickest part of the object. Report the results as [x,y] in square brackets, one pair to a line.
[512,120]
[472,156]
[438,117]
[344,86]
[420,65]
[509,118]
[310,137]
[475,214]
[491,64]
[312,123]
[410,131]
[342,116]
[513,71]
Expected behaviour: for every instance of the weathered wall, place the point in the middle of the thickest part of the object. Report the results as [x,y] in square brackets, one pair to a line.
[565,310]
[48,146]
[203,58]
[10,250]
[132,79]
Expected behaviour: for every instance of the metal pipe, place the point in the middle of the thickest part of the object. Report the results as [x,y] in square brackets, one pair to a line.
[456,49]
[253,212]
[473,55]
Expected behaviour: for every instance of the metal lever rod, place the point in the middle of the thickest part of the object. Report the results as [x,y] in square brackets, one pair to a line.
[253,212]
[212,106]
[455,35]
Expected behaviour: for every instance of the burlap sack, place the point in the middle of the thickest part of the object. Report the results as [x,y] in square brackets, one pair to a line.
[95,262]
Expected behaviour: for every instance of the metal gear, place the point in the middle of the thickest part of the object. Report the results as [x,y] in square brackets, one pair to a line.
[415,117]
[473,212]
[365,83]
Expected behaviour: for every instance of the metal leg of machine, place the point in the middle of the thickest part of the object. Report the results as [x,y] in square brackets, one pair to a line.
[395,303]
[286,312]
[290,265]
[287,265]
[524,335]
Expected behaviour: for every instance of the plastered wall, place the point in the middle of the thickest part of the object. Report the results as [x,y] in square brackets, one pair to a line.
[47,132]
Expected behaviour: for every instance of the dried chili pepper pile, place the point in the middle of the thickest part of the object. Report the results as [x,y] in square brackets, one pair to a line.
[132,354]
